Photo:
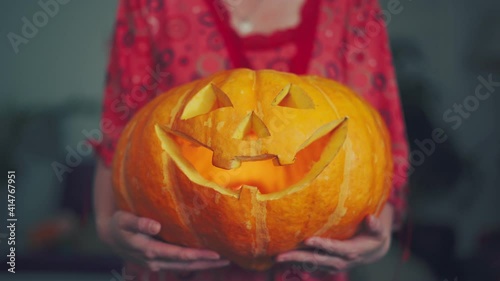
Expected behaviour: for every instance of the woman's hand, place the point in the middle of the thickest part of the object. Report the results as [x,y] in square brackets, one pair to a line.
[335,256]
[131,237]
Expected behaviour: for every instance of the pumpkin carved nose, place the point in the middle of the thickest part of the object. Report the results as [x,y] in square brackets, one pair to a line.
[251,128]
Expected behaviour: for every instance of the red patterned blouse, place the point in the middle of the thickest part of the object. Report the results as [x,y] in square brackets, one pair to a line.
[159,44]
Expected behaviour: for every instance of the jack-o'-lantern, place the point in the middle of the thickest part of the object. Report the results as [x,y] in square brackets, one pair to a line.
[251,163]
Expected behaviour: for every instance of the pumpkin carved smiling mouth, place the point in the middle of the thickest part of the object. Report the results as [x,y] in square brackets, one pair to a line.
[252,150]
[264,172]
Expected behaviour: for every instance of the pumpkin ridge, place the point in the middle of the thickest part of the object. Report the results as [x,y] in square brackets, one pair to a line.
[259,212]
[145,115]
[325,96]
[340,209]
[176,110]
[181,207]
[356,101]
[125,187]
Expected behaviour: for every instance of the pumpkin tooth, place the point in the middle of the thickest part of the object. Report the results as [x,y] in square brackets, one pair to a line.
[223,161]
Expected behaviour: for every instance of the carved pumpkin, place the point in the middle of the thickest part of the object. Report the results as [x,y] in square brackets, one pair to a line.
[251,163]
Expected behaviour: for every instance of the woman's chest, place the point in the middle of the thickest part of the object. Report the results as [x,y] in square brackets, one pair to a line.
[189,40]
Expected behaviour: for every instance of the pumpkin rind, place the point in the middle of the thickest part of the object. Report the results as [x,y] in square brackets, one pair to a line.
[243,225]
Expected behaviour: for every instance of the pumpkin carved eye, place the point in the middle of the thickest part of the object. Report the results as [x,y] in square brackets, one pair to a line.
[293,96]
[208,99]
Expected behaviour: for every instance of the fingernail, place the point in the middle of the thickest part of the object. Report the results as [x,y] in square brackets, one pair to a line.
[311,241]
[213,256]
[155,228]
[281,259]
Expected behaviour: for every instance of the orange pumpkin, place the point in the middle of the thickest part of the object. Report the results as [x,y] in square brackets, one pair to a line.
[251,163]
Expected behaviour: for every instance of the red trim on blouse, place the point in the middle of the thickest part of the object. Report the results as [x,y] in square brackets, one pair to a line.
[302,36]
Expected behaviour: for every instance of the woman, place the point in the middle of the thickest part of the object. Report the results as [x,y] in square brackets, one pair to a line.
[159,44]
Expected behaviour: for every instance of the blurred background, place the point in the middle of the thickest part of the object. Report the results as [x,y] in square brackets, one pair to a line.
[51,91]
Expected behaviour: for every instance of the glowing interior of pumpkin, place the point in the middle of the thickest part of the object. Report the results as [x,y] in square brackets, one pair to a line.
[267,175]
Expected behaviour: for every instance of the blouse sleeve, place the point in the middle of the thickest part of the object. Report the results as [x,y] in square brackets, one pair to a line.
[368,60]
[130,79]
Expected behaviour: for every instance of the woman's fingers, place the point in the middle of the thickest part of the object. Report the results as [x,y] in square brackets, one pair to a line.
[132,223]
[368,246]
[351,249]
[186,266]
[152,249]
[320,260]
[374,226]
[148,226]
[133,239]
[159,250]
[368,241]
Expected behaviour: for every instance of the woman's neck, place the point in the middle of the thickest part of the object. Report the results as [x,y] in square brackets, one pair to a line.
[249,17]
